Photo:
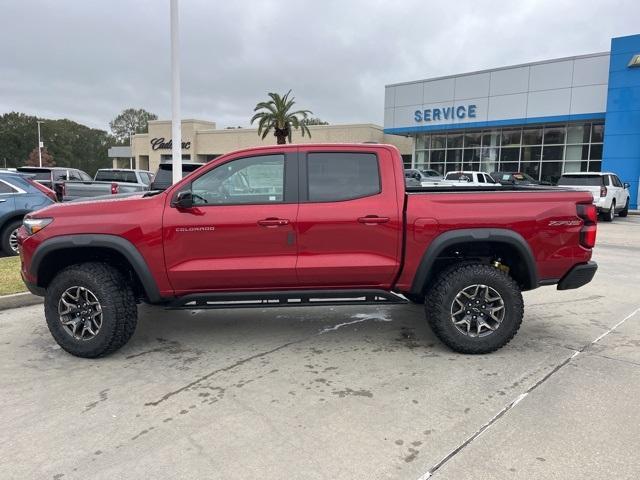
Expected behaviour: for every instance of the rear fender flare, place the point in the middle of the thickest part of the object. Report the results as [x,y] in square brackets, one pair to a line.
[474,235]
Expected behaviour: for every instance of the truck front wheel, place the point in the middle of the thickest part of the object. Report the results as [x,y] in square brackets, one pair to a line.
[474,308]
[90,309]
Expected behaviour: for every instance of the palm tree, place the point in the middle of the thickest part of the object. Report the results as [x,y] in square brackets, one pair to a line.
[276,115]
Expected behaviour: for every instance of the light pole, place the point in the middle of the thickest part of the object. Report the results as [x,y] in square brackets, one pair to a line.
[39,144]
[130,150]
[176,134]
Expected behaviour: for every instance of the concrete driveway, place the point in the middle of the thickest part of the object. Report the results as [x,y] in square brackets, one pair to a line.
[344,393]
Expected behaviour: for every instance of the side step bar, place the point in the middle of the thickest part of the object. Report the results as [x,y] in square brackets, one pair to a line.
[288,298]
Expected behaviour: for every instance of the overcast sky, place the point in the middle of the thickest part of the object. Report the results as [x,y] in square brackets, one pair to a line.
[87,60]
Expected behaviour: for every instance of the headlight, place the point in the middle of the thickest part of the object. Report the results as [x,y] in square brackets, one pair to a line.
[34,225]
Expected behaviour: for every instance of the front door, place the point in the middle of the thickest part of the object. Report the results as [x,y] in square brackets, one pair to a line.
[239,235]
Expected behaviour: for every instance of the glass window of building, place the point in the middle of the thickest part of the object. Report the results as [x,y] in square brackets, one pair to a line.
[454,140]
[540,151]
[532,136]
[438,141]
[473,139]
[554,135]
[511,137]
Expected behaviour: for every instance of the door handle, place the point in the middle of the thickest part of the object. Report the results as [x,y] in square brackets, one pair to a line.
[273,222]
[2,200]
[373,220]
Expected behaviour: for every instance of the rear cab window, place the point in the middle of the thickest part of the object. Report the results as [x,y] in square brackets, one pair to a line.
[116,176]
[340,176]
[37,173]
[581,180]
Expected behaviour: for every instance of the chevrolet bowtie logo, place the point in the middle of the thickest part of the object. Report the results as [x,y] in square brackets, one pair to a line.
[635,61]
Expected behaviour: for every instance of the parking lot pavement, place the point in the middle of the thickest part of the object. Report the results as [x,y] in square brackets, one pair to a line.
[324,393]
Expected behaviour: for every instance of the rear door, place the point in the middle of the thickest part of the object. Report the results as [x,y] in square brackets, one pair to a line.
[240,233]
[349,220]
[620,193]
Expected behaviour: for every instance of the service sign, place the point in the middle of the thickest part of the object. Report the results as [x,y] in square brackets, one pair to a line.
[446,114]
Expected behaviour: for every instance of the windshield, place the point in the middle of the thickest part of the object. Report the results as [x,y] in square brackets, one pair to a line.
[582,180]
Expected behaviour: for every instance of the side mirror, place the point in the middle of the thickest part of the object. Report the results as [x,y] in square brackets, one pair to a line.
[183,199]
[626,185]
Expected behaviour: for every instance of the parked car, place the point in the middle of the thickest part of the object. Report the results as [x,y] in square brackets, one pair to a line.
[431,174]
[468,178]
[423,177]
[516,178]
[610,195]
[164,176]
[108,181]
[54,177]
[19,195]
[313,224]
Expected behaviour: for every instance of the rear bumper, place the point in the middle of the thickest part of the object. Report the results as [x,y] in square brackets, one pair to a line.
[578,276]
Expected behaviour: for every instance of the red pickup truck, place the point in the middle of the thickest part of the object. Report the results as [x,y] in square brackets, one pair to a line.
[299,225]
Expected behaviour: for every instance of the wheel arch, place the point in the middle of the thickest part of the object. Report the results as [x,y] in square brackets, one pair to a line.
[49,258]
[12,217]
[494,240]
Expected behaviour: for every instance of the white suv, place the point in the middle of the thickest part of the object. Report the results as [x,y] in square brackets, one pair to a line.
[610,195]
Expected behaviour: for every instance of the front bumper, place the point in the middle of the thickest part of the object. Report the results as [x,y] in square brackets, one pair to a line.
[32,287]
[578,276]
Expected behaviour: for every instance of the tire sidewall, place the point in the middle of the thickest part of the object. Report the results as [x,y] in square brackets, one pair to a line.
[6,237]
[612,212]
[512,302]
[75,276]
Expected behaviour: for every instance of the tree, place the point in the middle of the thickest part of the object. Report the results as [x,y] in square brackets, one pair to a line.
[314,121]
[130,121]
[276,115]
[70,143]
[34,159]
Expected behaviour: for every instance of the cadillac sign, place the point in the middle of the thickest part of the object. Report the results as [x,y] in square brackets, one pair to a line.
[160,144]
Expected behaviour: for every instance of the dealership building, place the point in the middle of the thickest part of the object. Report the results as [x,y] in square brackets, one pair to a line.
[573,114]
[202,141]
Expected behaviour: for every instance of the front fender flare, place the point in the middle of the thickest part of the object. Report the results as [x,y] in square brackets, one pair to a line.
[113,242]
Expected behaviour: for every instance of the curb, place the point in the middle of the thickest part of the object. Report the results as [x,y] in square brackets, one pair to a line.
[18,300]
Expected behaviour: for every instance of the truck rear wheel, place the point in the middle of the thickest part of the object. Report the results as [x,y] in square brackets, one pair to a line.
[90,309]
[474,308]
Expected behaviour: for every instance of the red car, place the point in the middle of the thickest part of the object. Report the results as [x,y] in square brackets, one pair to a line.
[296,225]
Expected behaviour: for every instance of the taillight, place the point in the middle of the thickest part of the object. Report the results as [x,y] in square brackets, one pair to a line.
[603,191]
[589,215]
[114,188]
[47,191]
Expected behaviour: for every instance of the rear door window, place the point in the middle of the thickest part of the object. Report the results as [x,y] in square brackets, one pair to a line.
[616,181]
[5,188]
[334,177]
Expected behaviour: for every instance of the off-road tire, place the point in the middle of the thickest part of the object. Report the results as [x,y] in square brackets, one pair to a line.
[6,237]
[625,211]
[117,302]
[455,279]
[610,214]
